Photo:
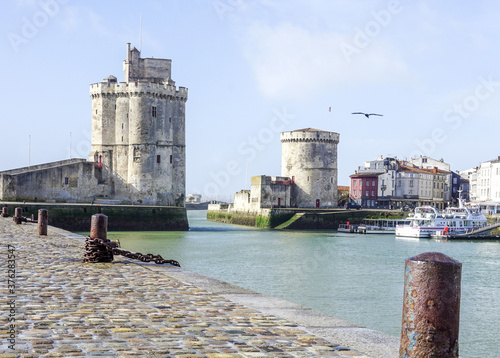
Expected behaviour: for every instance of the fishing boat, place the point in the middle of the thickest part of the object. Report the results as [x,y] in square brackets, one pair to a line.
[427,221]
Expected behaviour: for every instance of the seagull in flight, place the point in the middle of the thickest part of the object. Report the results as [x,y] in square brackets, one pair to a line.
[367,115]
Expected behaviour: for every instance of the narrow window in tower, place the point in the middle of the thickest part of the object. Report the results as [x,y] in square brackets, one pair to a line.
[122,138]
[153,111]
[169,119]
[158,159]
[96,111]
[122,125]
[170,159]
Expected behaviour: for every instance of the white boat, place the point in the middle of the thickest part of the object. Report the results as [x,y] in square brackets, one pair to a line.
[427,221]
[380,226]
[373,226]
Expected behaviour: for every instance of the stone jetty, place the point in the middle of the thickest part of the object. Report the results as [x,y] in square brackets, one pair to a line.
[54,305]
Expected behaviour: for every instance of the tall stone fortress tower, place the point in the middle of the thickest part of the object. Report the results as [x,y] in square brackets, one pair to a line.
[138,133]
[309,157]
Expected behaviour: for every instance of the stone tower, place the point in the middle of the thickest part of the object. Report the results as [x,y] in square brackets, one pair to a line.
[309,157]
[138,133]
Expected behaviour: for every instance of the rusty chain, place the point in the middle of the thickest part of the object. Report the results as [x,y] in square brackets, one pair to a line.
[102,250]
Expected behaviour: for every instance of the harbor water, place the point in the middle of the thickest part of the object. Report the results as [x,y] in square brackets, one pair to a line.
[358,278]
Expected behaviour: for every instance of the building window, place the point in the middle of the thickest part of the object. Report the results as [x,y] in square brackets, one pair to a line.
[171,162]
[66,181]
[373,193]
[411,183]
[158,159]
[367,193]
[367,183]
[373,182]
[169,119]
[153,111]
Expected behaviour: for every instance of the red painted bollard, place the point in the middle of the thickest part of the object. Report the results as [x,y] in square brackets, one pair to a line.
[18,215]
[43,221]
[431,306]
[5,212]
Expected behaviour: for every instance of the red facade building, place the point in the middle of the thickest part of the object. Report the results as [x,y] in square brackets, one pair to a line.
[364,189]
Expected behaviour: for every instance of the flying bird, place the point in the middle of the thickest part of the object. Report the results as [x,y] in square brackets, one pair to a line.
[367,115]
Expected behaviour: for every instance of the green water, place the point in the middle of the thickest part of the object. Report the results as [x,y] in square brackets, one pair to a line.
[358,278]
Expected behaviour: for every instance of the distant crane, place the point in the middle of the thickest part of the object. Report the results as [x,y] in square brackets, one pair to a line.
[367,115]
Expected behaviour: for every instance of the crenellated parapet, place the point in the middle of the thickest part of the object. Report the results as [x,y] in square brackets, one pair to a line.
[309,135]
[138,89]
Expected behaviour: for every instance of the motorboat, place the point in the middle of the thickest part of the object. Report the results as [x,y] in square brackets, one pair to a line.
[427,221]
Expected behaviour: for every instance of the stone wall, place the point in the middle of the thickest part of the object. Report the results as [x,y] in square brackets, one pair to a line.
[65,182]
[77,217]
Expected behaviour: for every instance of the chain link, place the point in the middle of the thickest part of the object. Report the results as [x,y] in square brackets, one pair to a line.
[102,250]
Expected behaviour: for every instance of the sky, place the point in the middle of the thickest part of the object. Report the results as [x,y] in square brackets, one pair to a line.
[255,68]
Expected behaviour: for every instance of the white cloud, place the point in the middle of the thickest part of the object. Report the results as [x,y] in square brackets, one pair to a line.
[290,61]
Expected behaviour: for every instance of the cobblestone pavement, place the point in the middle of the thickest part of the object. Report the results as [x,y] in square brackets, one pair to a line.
[66,308]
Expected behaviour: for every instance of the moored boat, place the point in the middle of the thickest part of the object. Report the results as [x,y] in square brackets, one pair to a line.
[427,221]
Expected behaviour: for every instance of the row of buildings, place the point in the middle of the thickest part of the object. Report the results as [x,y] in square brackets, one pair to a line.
[392,183]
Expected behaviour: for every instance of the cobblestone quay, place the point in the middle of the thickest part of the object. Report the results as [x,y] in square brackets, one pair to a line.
[57,306]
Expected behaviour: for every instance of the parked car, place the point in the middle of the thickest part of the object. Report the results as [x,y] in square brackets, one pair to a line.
[353,206]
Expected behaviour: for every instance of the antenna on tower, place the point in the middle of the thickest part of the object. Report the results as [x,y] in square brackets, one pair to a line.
[140,33]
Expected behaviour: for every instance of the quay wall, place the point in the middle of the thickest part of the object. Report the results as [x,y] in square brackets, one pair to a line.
[264,218]
[76,217]
[310,219]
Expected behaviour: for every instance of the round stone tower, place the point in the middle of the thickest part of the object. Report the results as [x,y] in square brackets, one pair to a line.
[138,133]
[309,157]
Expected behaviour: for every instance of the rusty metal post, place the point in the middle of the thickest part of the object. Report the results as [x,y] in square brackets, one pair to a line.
[99,226]
[18,215]
[96,251]
[5,212]
[431,306]
[43,221]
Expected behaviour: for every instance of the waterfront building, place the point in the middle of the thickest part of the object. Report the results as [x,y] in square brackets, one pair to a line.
[484,181]
[137,148]
[365,189]
[401,183]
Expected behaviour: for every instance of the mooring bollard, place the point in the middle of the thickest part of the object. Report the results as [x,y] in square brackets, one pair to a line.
[43,221]
[5,212]
[99,226]
[18,216]
[96,251]
[431,306]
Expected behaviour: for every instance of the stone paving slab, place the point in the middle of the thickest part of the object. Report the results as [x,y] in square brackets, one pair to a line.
[66,308]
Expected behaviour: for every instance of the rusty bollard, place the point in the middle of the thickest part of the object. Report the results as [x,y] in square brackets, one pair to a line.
[5,212]
[97,252]
[431,306]
[18,216]
[43,221]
